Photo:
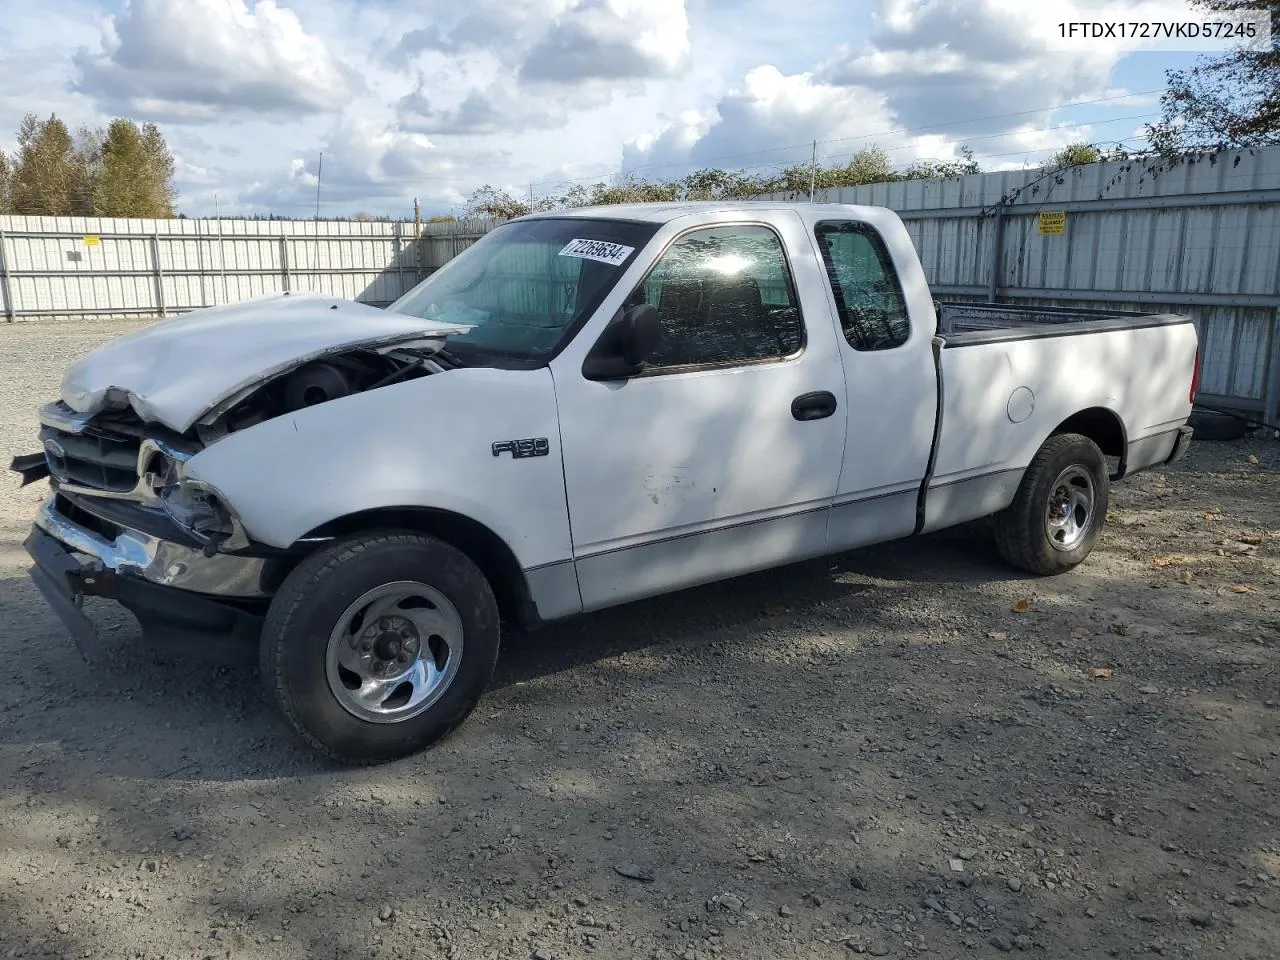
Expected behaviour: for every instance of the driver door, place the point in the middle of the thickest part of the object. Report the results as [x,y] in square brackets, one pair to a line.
[723,456]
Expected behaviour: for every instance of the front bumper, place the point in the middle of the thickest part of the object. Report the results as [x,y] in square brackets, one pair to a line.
[205,606]
[101,531]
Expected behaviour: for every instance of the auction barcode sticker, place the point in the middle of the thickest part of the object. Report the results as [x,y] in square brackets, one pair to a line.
[602,250]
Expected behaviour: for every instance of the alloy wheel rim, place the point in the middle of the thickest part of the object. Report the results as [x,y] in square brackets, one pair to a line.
[1070,512]
[394,652]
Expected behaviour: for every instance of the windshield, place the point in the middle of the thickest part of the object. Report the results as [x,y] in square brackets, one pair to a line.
[527,286]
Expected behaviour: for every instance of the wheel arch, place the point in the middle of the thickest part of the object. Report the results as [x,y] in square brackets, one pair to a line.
[1105,428]
[486,549]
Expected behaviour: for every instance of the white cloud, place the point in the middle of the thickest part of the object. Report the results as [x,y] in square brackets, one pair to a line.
[366,164]
[206,60]
[768,121]
[558,41]
[496,109]
[507,29]
[942,61]
[611,40]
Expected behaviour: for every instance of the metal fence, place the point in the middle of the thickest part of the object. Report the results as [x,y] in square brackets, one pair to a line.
[1199,237]
[92,266]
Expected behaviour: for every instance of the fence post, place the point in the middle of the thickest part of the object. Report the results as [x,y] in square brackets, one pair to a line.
[1271,402]
[158,274]
[5,289]
[204,297]
[401,266]
[284,263]
[997,256]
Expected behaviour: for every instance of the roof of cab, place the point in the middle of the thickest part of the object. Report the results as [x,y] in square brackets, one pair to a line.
[666,212]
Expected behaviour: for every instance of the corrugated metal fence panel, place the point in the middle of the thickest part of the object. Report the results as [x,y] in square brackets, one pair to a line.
[1200,236]
[93,266]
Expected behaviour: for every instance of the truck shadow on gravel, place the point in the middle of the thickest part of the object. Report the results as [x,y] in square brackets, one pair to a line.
[957,556]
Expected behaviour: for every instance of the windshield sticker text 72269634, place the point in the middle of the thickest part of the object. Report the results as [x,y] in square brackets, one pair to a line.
[602,250]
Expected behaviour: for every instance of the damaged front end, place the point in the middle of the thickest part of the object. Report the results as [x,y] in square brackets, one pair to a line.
[125,521]
[112,454]
[115,458]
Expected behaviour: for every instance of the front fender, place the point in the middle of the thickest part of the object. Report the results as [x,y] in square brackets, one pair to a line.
[427,442]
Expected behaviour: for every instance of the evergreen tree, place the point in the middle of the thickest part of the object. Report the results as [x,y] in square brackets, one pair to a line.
[159,172]
[43,181]
[86,159]
[4,184]
[135,177]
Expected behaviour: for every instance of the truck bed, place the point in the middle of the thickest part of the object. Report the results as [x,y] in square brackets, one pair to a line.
[963,324]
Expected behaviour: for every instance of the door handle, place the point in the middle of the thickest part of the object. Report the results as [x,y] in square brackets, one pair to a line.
[814,406]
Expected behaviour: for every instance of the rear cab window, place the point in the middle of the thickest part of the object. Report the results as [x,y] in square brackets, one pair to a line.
[869,299]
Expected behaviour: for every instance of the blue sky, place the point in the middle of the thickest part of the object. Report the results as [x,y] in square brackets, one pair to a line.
[432,98]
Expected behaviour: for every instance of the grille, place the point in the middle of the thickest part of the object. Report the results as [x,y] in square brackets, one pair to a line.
[98,458]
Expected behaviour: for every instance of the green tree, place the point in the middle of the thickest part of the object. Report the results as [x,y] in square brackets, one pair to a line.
[1076,154]
[1230,100]
[713,184]
[159,171]
[86,162]
[943,169]
[135,177]
[868,165]
[499,205]
[44,177]
[4,184]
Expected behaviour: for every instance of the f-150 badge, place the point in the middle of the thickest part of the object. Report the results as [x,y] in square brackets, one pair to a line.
[519,449]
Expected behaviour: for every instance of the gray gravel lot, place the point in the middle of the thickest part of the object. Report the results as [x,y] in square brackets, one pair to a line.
[908,750]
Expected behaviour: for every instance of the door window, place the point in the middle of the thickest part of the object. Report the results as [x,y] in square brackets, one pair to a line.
[873,312]
[724,296]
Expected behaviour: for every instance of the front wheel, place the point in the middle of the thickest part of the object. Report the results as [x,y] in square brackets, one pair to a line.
[378,645]
[1058,512]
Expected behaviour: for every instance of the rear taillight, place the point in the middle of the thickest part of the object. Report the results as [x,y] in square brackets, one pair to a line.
[1195,377]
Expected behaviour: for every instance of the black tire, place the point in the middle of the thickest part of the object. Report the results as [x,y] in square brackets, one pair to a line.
[1023,533]
[1210,425]
[307,608]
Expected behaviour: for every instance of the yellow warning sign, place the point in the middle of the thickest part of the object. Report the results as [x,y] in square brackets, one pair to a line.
[92,240]
[1053,223]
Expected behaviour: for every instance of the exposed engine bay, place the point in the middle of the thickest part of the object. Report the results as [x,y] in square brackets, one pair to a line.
[319,381]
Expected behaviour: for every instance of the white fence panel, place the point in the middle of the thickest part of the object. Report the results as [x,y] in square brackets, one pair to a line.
[95,266]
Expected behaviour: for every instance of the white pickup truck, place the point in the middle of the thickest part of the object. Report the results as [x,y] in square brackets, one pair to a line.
[583,409]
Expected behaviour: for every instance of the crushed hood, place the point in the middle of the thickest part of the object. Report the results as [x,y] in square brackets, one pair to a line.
[175,371]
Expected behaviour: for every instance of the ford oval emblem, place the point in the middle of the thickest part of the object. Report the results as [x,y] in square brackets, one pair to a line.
[54,449]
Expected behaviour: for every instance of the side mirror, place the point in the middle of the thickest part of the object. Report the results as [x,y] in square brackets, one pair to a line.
[639,333]
[624,346]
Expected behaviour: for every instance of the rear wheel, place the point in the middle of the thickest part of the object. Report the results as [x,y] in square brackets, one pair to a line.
[379,645]
[1057,514]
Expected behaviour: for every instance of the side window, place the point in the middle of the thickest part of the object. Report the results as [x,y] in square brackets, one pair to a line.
[724,295]
[868,296]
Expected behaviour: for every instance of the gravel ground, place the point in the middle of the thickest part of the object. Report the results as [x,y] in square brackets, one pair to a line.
[908,750]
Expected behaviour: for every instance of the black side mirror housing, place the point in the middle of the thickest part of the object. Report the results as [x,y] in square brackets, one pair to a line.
[625,345]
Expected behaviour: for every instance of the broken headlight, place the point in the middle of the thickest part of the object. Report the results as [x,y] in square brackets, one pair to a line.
[197,507]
